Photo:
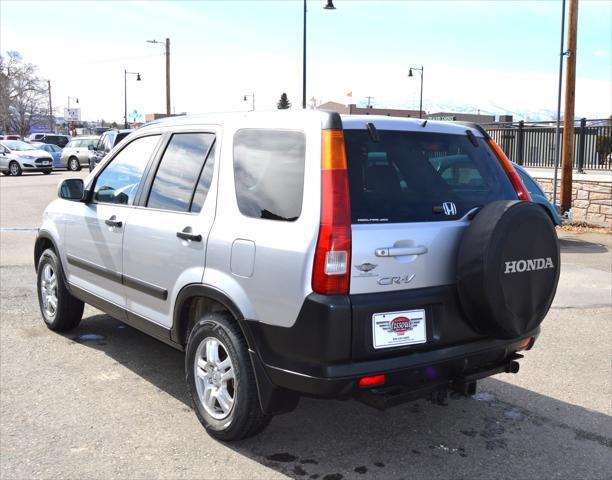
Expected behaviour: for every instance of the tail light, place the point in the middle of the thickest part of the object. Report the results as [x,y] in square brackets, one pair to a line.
[373,381]
[332,261]
[515,179]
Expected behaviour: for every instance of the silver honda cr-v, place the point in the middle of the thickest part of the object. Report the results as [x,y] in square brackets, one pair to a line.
[305,253]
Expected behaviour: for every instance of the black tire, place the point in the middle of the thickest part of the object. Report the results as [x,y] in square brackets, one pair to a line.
[74,164]
[245,419]
[69,310]
[46,172]
[14,169]
[7,173]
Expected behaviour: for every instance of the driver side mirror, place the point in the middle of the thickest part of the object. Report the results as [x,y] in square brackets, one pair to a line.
[71,189]
[91,147]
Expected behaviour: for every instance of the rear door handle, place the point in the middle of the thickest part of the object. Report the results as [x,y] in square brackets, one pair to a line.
[187,235]
[400,251]
[113,222]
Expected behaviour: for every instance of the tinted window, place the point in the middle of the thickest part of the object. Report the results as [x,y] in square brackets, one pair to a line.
[179,170]
[204,183]
[119,181]
[120,136]
[407,176]
[269,173]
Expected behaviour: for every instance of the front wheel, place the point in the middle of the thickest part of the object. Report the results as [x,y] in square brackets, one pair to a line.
[60,310]
[221,380]
[74,165]
[47,172]
[14,169]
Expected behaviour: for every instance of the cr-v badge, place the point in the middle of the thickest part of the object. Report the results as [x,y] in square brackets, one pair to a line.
[396,280]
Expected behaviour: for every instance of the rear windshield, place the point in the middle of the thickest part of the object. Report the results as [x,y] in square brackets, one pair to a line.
[420,177]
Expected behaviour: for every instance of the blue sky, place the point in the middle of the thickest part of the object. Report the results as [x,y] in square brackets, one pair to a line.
[498,56]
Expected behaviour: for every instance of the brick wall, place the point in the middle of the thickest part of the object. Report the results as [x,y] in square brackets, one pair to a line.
[591,200]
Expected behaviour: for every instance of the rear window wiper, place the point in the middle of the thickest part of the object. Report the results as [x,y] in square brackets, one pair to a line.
[472,138]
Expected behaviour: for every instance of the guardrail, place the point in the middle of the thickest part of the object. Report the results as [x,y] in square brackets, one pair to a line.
[533,144]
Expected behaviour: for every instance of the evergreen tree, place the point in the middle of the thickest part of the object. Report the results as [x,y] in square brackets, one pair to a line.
[283,103]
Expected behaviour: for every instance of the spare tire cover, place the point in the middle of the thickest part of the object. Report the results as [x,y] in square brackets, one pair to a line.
[508,268]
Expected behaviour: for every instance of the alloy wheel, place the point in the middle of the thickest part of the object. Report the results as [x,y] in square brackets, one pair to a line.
[215,378]
[48,290]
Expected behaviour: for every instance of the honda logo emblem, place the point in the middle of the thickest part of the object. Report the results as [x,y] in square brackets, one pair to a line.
[449,208]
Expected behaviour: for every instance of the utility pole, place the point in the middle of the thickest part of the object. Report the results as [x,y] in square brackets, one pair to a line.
[168,111]
[369,101]
[558,127]
[570,98]
[51,122]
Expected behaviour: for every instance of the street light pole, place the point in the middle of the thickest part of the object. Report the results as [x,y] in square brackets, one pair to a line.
[304,62]
[329,6]
[422,69]
[252,95]
[138,79]
[166,45]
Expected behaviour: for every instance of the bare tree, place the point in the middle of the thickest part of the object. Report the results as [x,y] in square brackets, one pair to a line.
[22,94]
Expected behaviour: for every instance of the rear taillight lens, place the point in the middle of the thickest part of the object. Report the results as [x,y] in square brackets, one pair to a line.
[332,262]
[515,179]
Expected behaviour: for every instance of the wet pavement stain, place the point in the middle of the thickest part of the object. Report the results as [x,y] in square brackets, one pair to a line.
[379,464]
[363,469]
[298,470]
[282,457]
[333,476]
[309,460]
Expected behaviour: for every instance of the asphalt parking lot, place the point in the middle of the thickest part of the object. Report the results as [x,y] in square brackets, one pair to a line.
[108,401]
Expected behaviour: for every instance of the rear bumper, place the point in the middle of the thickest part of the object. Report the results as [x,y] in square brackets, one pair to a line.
[419,370]
[329,348]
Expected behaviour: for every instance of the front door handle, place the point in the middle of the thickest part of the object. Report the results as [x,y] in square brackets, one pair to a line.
[113,222]
[187,235]
[400,251]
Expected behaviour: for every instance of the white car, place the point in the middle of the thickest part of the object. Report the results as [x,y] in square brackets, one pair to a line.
[17,157]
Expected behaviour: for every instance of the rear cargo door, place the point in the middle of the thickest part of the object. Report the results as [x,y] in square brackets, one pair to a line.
[411,193]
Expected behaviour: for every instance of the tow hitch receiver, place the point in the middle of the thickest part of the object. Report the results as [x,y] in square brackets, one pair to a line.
[389,396]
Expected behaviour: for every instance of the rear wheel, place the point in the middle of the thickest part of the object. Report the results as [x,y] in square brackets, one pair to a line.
[221,380]
[73,164]
[46,172]
[60,310]
[14,169]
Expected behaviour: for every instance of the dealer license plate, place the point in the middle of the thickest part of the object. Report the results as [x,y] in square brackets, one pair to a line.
[394,329]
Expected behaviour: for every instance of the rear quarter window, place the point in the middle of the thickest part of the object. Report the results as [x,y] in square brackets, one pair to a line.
[409,176]
[269,173]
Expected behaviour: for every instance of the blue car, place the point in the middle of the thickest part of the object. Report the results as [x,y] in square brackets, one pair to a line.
[537,194]
[54,151]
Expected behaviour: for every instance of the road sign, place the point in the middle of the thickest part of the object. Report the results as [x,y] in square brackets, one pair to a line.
[136,117]
[72,114]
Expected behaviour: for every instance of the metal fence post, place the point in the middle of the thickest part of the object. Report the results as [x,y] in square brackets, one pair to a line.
[520,143]
[581,145]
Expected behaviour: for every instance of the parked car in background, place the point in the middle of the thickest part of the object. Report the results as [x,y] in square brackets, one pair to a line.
[54,150]
[10,137]
[35,137]
[56,139]
[538,195]
[78,152]
[17,157]
[105,144]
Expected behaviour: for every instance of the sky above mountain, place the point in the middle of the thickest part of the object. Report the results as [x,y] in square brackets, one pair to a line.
[496,56]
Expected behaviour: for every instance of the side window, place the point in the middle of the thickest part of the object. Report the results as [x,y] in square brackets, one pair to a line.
[204,183]
[179,170]
[269,173]
[72,144]
[107,143]
[119,181]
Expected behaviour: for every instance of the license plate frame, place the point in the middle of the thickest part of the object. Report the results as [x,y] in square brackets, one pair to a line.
[399,329]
